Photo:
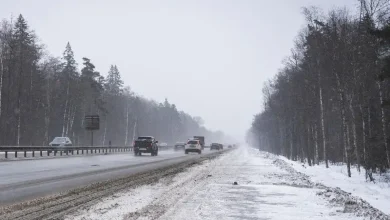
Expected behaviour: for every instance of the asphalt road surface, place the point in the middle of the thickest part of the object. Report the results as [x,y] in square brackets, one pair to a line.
[29,179]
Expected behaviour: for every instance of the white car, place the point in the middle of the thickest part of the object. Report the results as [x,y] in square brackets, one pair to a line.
[163,144]
[193,146]
[60,142]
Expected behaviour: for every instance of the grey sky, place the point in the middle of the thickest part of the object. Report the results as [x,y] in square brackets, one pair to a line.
[209,57]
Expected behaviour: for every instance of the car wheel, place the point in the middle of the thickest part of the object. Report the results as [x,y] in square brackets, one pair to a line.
[155,154]
[200,152]
[186,152]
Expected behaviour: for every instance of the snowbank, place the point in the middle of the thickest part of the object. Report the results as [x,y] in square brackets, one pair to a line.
[377,194]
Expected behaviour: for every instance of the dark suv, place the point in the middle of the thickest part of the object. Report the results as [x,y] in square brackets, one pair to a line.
[215,146]
[145,144]
[179,146]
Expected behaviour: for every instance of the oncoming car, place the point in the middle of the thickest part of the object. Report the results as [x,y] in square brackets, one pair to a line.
[60,142]
[193,146]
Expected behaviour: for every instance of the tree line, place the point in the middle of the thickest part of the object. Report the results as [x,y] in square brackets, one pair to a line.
[330,101]
[42,96]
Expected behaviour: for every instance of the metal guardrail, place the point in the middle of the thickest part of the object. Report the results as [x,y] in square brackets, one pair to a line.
[69,150]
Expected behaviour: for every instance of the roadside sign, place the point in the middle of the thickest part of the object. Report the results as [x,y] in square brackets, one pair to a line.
[92,122]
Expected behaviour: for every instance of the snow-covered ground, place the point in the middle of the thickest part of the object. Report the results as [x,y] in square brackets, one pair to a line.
[377,194]
[267,188]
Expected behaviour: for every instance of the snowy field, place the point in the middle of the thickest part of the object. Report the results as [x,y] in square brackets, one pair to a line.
[377,194]
[267,188]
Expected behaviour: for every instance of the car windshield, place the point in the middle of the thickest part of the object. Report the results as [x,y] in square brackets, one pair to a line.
[59,140]
[145,138]
[192,142]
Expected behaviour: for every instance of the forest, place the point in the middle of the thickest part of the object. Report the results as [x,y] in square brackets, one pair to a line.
[44,96]
[330,102]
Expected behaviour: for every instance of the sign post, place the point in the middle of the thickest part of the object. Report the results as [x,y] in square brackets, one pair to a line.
[92,122]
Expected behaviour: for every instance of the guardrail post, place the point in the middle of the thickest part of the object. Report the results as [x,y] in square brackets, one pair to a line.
[77,152]
[33,153]
[41,153]
[99,150]
[25,154]
[72,152]
[55,153]
[16,154]
[6,154]
[86,151]
[48,154]
[67,153]
[60,152]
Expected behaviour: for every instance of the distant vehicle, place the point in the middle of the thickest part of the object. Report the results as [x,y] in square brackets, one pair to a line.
[60,142]
[215,146]
[193,146]
[179,146]
[145,144]
[201,140]
[163,145]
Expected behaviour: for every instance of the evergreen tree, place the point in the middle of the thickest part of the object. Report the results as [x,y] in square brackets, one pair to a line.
[114,82]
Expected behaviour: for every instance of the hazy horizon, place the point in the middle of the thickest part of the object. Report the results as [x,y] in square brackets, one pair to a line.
[210,58]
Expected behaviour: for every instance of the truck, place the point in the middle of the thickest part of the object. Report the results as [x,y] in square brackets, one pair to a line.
[201,140]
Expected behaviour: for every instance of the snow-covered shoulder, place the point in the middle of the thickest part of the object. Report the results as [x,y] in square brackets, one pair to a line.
[377,194]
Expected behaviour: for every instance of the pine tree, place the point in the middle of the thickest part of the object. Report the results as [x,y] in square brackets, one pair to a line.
[114,83]
[25,57]
[69,87]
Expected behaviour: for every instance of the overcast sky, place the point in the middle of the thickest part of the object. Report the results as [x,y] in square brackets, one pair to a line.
[209,57]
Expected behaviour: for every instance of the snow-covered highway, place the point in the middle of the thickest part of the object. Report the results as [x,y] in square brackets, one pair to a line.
[177,186]
[267,188]
[28,179]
